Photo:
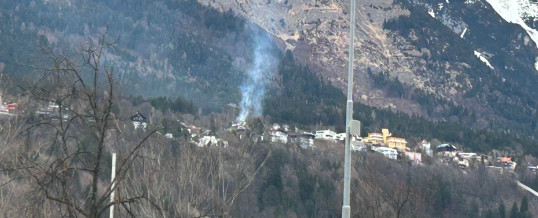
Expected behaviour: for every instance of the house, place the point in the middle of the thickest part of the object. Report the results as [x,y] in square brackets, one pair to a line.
[396,142]
[359,147]
[415,157]
[53,106]
[139,121]
[468,156]
[390,153]
[426,147]
[446,150]
[357,144]
[506,162]
[11,106]
[325,135]
[240,127]
[341,136]
[304,140]
[193,130]
[168,135]
[279,136]
[386,138]
[207,141]
[461,162]
[374,138]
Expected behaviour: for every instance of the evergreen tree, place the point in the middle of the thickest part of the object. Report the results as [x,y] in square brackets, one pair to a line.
[514,212]
[502,210]
[473,209]
[535,183]
[489,214]
[524,208]
[524,205]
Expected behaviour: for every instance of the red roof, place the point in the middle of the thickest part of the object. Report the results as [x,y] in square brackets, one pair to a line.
[506,159]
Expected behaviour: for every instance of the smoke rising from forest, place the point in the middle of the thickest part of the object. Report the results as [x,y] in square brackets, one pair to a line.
[258,76]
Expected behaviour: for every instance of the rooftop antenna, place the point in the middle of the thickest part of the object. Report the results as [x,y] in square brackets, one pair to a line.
[352,126]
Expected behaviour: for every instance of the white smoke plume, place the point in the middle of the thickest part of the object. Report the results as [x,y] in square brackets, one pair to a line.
[262,70]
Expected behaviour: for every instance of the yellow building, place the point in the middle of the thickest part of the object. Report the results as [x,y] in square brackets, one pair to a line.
[386,138]
[386,134]
[374,138]
[397,143]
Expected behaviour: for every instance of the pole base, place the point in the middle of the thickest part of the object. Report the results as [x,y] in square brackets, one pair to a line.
[345,211]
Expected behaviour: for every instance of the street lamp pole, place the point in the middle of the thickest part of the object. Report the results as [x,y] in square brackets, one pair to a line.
[349,114]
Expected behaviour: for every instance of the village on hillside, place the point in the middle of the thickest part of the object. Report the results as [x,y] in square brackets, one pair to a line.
[383,142]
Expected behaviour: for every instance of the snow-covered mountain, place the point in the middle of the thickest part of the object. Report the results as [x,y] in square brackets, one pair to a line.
[518,12]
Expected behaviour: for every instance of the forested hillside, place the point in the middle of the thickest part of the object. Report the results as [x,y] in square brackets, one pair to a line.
[165,48]
[509,88]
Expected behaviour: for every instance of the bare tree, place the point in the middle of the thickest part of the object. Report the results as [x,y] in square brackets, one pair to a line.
[189,181]
[66,162]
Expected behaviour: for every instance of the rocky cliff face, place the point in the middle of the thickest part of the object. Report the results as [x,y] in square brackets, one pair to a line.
[458,53]
[471,62]
[317,34]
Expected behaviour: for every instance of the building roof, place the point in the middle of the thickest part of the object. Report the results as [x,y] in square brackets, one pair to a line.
[446,147]
[505,159]
[397,139]
[138,117]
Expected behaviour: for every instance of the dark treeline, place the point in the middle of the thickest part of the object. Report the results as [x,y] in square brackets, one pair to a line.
[430,102]
[149,34]
[302,97]
[307,183]
[179,104]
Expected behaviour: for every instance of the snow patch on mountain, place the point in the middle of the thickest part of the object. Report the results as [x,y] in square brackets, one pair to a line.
[483,59]
[431,13]
[463,33]
[514,11]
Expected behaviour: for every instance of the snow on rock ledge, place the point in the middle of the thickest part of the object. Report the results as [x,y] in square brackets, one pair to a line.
[483,59]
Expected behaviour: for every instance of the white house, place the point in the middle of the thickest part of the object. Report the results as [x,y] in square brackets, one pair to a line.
[279,136]
[341,136]
[305,140]
[426,146]
[325,135]
[240,127]
[462,162]
[207,141]
[467,155]
[358,145]
[390,153]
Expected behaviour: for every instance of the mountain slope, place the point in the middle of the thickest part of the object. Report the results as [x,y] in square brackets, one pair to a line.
[162,48]
[439,69]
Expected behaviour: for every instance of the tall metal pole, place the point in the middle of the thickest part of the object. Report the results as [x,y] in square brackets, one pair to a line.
[112,177]
[349,113]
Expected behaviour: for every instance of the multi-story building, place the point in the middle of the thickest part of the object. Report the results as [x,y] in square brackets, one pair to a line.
[374,138]
[395,142]
[386,138]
